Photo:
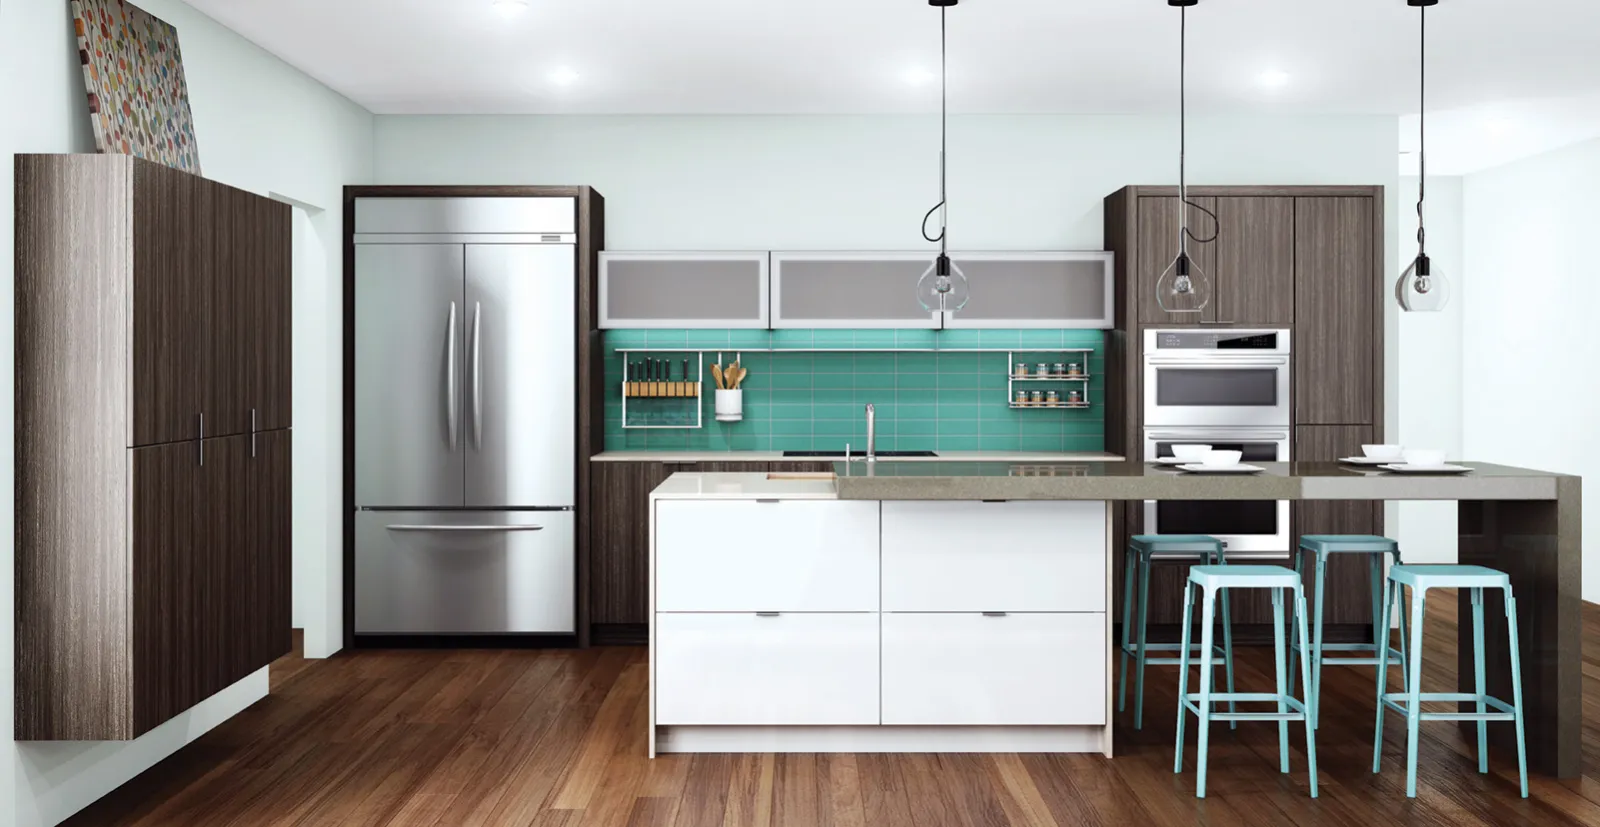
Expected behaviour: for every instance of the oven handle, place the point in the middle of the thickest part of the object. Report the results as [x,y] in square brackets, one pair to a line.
[1231,436]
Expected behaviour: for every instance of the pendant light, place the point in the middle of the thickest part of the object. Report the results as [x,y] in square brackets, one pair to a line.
[943,287]
[1421,287]
[1184,288]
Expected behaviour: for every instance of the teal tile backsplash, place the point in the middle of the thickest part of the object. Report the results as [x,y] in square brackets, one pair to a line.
[944,399]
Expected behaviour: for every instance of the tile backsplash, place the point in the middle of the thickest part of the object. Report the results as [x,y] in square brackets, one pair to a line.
[810,391]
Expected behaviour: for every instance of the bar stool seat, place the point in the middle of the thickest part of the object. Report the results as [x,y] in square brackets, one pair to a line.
[1364,654]
[1409,703]
[1142,550]
[1211,580]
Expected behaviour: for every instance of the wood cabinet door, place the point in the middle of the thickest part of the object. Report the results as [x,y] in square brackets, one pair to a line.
[223,540]
[265,595]
[169,583]
[1255,261]
[272,354]
[1348,584]
[1336,299]
[170,247]
[619,539]
[1157,245]
[226,363]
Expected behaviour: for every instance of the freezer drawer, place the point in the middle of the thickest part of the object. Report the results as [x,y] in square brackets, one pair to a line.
[464,572]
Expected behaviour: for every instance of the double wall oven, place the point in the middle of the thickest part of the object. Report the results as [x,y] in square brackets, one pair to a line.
[1228,389]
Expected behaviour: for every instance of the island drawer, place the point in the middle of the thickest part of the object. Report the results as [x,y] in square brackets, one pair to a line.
[786,669]
[1014,669]
[1000,556]
[752,556]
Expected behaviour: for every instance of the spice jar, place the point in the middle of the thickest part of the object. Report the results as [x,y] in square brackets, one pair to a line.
[1022,397]
[1043,369]
[1060,369]
[1021,370]
[1073,370]
[1052,398]
[1074,398]
[1037,397]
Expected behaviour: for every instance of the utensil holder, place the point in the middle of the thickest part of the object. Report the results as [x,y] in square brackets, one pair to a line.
[730,405]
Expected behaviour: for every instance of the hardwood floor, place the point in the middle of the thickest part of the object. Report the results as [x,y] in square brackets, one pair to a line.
[549,738]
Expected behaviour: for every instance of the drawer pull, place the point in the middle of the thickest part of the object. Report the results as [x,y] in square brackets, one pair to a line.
[994,614]
[766,614]
[768,502]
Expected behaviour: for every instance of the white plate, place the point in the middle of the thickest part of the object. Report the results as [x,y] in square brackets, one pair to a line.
[1169,461]
[1366,461]
[1426,469]
[1220,469]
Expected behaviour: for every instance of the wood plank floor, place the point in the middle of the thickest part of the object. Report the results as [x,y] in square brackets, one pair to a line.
[558,738]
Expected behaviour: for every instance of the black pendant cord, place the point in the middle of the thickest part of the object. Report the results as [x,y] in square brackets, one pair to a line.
[1185,235]
[943,138]
[1422,137]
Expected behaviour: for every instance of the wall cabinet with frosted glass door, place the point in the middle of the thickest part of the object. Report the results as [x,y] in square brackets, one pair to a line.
[850,290]
[683,290]
[1036,290]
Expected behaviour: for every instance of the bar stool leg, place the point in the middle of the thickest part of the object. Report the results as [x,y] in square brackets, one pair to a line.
[1516,689]
[1311,730]
[1299,557]
[1314,696]
[1227,643]
[1414,700]
[1183,674]
[1375,572]
[1144,608]
[1405,682]
[1279,656]
[1390,589]
[1208,619]
[1478,670]
[1127,626]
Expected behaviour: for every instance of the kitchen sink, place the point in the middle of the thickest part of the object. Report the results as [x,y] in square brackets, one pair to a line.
[857,454]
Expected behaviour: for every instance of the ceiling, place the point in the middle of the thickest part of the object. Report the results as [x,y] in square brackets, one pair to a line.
[1006,56]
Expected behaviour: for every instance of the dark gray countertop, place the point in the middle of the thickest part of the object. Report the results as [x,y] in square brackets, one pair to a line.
[889,480]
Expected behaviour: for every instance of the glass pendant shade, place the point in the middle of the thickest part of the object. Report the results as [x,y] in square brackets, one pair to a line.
[1422,288]
[943,288]
[1184,287]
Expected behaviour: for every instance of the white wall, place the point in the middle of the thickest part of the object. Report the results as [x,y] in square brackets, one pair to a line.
[1528,341]
[1430,378]
[261,126]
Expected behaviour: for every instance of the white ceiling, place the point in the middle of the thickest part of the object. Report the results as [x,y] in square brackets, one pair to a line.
[1006,56]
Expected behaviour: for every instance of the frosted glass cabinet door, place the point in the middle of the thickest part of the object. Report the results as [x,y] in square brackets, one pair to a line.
[683,290]
[1036,290]
[849,290]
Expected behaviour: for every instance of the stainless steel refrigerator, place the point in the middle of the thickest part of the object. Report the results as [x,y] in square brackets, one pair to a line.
[465,417]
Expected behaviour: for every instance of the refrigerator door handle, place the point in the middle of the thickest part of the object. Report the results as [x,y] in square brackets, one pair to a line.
[477,376]
[466,528]
[450,375]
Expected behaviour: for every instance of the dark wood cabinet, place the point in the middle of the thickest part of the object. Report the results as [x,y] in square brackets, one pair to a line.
[619,539]
[1348,582]
[152,565]
[272,349]
[1156,236]
[1338,361]
[1254,261]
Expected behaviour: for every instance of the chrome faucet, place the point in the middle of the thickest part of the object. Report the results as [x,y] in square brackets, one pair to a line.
[872,436]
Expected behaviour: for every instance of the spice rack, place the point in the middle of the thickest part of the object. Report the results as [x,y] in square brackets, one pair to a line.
[1064,382]
[653,398]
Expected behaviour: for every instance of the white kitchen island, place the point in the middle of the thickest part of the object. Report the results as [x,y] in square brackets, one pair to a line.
[784,619]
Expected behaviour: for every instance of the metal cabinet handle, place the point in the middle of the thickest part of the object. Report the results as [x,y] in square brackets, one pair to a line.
[450,375]
[202,440]
[477,375]
[767,614]
[466,528]
[252,433]
[994,614]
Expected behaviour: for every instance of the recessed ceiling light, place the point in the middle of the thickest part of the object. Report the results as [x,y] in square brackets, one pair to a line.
[510,8]
[564,76]
[1273,79]
[918,76]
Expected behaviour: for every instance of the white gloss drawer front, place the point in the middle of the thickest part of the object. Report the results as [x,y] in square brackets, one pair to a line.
[783,669]
[757,556]
[994,556]
[1003,670]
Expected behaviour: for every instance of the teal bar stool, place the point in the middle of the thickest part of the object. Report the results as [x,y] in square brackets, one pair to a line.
[1409,703]
[1324,545]
[1142,550]
[1214,579]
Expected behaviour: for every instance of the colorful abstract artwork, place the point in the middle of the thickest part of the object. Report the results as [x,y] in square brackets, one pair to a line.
[133,70]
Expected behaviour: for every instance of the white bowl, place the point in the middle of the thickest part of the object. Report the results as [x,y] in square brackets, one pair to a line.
[1424,458]
[1221,459]
[1191,453]
[1393,453]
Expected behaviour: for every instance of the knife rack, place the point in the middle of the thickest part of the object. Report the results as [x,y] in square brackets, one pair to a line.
[658,397]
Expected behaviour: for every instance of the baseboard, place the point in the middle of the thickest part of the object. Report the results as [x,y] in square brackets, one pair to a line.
[619,634]
[465,641]
[738,739]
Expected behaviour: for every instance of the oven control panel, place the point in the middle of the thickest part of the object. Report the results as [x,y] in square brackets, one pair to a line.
[1269,340]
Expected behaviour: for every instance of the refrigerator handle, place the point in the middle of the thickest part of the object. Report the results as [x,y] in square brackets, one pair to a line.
[450,375]
[477,375]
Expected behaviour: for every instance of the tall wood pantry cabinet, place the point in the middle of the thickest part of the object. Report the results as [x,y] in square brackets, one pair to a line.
[152,442]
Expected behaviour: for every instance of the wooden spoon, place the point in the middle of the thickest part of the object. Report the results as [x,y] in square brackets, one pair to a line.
[716,371]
